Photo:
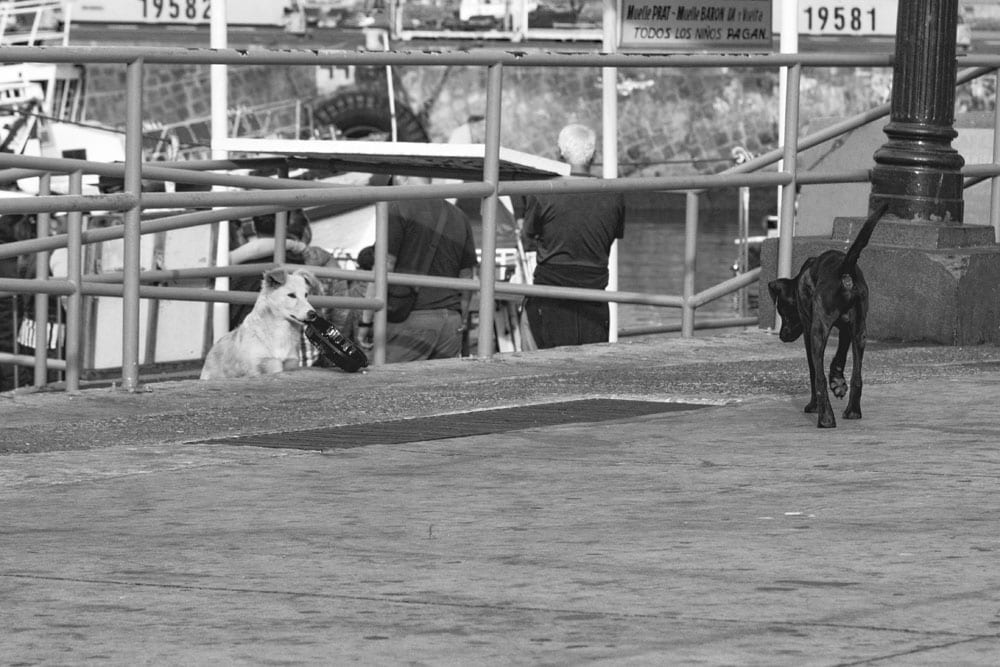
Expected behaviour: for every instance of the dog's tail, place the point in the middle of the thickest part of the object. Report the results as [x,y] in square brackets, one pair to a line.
[854,252]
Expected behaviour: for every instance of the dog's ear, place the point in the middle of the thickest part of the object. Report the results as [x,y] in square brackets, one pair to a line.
[782,290]
[275,278]
[315,286]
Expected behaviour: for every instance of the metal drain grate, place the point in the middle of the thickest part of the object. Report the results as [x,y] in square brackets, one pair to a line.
[442,427]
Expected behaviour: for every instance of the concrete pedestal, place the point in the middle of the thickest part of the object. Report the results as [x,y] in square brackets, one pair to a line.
[927,282]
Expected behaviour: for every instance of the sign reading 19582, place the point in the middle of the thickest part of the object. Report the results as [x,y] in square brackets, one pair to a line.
[176,10]
[847,17]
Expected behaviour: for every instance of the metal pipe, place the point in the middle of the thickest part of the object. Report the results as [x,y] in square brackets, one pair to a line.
[366,194]
[416,280]
[726,287]
[62,203]
[491,175]
[286,198]
[90,286]
[103,288]
[363,194]
[690,260]
[642,184]
[280,235]
[300,197]
[815,178]
[441,58]
[995,182]
[133,217]
[743,250]
[609,139]
[207,294]
[201,272]
[727,323]
[74,304]
[20,166]
[165,224]
[381,269]
[24,360]
[43,225]
[838,129]
[32,286]
[786,225]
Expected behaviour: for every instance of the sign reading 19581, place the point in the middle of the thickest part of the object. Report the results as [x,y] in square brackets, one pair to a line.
[175,10]
[847,17]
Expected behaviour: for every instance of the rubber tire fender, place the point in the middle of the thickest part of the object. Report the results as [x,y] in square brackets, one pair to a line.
[359,113]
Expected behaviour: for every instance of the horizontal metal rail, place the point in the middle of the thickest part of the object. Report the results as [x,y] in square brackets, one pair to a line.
[24,360]
[436,58]
[33,286]
[700,324]
[841,128]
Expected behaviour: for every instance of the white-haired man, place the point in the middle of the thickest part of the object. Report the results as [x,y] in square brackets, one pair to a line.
[572,235]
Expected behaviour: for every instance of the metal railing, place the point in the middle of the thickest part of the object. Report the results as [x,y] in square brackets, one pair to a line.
[33,22]
[276,195]
[192,139]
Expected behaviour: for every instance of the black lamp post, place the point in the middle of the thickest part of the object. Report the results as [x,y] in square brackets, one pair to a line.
[932,277]
[917,171]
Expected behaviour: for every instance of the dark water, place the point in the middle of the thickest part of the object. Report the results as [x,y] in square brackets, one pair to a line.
[651,255]
[651,259]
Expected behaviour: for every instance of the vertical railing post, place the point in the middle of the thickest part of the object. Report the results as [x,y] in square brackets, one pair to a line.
[690,262]
[379,319]
[786,224]
[491,175]
[280,236]
[995,181]
[42,230]
[743,253]
[219,107]
[132,237]
[74,273]
[281,219]
[609,145]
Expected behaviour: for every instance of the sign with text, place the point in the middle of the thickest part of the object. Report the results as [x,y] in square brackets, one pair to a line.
[847,17]
[695,25]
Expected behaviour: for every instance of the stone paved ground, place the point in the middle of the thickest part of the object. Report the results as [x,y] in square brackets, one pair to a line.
[737,533]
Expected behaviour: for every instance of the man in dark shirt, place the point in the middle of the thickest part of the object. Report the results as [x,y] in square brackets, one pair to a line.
[435,326]
[572,235]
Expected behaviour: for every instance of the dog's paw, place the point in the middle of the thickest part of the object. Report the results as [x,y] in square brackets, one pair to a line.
[838,385]
[810,407]
[827,421]
[852,413]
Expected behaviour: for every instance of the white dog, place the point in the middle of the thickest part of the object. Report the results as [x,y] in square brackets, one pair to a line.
[268,340]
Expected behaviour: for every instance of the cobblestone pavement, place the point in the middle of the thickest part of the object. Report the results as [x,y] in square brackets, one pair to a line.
[736,533]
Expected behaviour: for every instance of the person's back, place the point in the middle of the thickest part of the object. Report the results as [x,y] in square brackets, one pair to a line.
[573,235]
[433,328]
[412,230]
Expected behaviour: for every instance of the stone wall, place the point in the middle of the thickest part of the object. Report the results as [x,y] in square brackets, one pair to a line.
[671,121]
[178,93]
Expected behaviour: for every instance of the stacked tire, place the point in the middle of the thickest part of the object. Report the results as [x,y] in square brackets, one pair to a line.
[364,114]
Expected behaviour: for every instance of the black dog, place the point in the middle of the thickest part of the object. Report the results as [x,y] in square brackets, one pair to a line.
[830,291]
